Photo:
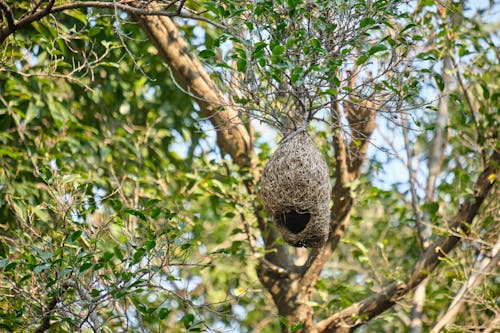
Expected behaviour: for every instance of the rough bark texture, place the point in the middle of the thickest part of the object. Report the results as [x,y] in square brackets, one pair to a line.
[232,136]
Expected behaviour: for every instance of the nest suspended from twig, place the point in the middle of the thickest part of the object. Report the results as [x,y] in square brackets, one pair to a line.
[296,191]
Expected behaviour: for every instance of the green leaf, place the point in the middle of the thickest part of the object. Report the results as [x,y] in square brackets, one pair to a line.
[259,46]
[206,54]
[463,51]
[10,266]
[362,59]
[41,268]
[377,48]
[116,204]
[331,92]
[366,22]
[137,213]
[486,91]
[9,152]
[439,81]
[94,31]
[138,255]
[156,212]
[316,44]
[408,26]
[163,313]
[76,14]
[85,266]
[32,113]
[118,253]
[151,202]
[241,65]
[150,244]
[187,320]
[109,64]
[431,207]
[278,50]
[336,82]
[4,250]
[75,235]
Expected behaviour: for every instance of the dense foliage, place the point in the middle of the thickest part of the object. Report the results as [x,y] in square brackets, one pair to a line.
[119,211]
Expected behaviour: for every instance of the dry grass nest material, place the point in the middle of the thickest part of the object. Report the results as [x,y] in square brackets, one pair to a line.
[296,191]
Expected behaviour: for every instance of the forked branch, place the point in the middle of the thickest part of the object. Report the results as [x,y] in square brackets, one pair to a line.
[347,168]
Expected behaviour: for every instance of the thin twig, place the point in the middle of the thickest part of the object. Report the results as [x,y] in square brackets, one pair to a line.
[413,190]
[85,295]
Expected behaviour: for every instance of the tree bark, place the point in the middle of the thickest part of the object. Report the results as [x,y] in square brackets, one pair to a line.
[232,136]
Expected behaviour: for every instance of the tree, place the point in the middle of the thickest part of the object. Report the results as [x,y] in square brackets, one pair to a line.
[130,188]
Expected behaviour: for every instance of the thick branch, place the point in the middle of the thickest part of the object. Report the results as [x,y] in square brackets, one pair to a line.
[9,16]
[412,178]
[417,308]
[359,313]
[347,169]
[45,325]
[11,28]
[232,136]
[361,118]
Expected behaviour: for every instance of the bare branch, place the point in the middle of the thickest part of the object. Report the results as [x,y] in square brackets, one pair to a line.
[418,302]
[412,180]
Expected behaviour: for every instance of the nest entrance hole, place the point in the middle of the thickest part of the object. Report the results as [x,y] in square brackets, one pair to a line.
[293,220]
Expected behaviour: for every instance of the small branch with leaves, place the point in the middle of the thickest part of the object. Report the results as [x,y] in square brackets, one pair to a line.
[357,314]
[174,8]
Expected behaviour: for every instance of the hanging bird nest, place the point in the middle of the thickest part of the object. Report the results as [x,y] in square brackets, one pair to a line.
[296,192]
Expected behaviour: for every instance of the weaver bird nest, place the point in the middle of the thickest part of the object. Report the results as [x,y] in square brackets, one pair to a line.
[296,192]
